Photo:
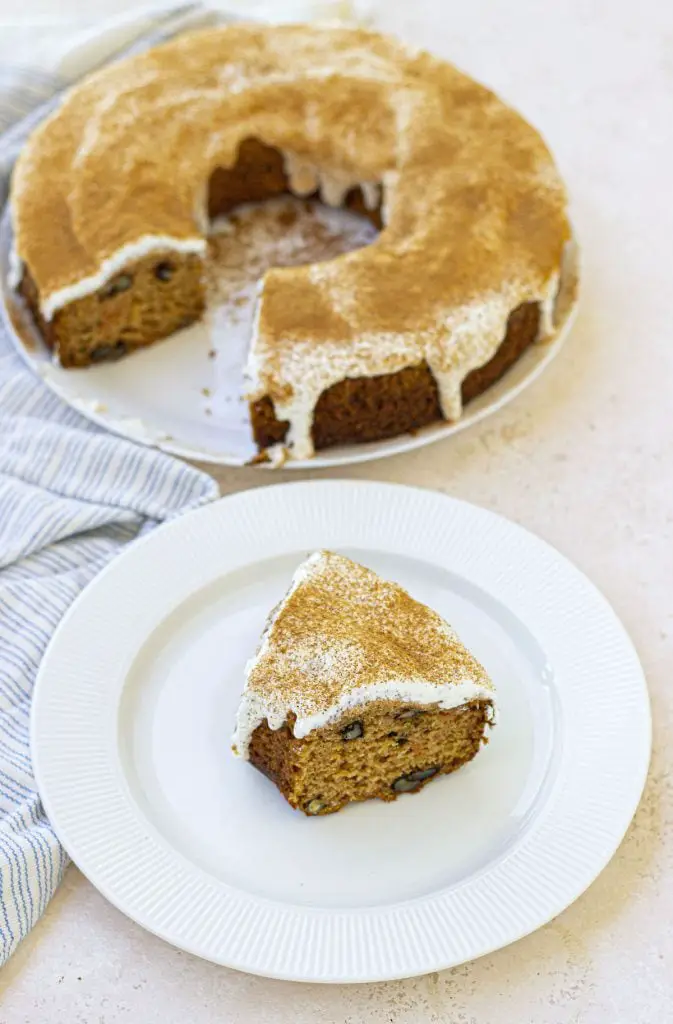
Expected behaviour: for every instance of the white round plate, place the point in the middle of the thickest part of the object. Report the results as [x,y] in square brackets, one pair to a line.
[135,703]
[167,395]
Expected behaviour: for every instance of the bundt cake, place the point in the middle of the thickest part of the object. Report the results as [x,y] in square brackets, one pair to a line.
[357,691]
[113,194]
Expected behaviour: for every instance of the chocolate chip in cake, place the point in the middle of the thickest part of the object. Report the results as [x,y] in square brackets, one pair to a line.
[414,780]
[117,286]
[164,271]
[411,713]
[108,353]
[353,731]
[315,806]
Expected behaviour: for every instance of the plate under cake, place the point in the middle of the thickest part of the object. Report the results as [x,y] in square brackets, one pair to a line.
[144,673]
[113,196]
[358,691]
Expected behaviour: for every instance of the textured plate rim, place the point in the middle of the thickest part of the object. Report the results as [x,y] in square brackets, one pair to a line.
[525,371]
[555,860]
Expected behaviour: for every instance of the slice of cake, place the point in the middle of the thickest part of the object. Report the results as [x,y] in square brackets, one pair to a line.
[358,691]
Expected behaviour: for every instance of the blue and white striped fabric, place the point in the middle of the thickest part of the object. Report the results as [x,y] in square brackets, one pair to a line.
[71,497]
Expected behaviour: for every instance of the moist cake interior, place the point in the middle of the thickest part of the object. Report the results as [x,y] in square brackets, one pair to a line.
[406,746]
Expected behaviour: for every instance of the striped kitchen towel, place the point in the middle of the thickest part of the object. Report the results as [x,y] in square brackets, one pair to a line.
[71,498]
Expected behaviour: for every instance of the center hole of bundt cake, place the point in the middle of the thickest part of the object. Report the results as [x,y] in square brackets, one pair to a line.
[258,222]
[250,240]
[261,172]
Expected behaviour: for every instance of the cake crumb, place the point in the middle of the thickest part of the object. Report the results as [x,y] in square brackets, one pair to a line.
[259,459]
[287,217]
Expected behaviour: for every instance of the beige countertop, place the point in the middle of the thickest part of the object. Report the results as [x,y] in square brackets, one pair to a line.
[585,459]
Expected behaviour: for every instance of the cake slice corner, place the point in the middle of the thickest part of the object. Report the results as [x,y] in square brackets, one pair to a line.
[358,691]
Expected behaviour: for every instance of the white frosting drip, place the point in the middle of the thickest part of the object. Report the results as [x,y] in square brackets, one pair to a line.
[254,709]
[547,307]
[388,186]
[16,264]
[116,263]
[333,186]
[302,177]
[15,272]
[567,284]
[371,194]
[473,335]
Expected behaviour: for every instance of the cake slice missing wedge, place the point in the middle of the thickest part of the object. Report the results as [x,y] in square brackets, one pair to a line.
[358,691]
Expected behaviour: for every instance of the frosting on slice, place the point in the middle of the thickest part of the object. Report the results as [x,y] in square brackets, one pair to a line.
[343,637]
